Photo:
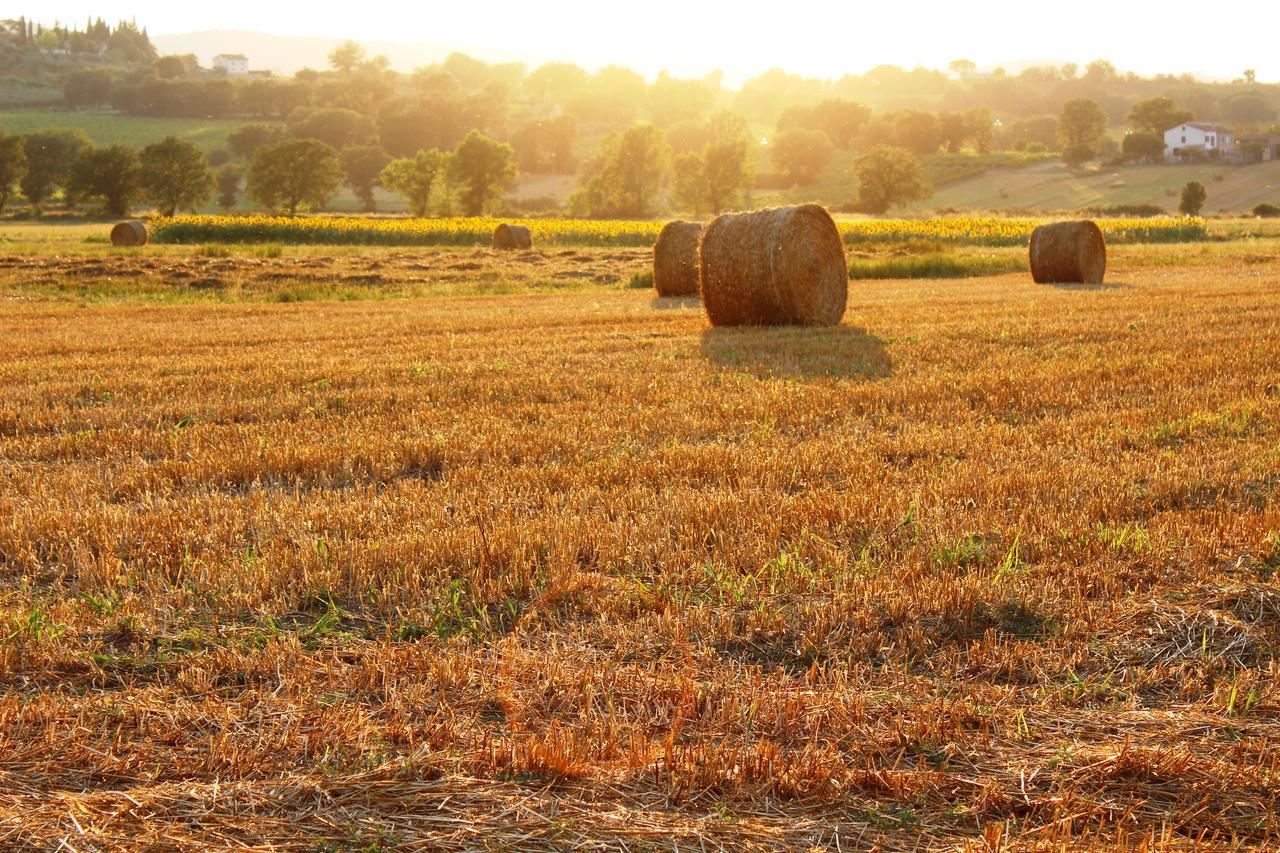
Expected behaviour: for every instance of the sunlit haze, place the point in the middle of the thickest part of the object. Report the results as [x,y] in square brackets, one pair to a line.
[812,38]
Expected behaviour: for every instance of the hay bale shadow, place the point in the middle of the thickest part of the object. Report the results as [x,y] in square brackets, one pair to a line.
[672,303]
[843,352]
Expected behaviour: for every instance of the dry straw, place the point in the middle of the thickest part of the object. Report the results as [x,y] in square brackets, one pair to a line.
[1068,253]
[777,267]
[675,259]
[512,237]
[131,232]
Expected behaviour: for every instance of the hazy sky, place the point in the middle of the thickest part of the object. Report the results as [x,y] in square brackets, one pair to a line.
[825,39]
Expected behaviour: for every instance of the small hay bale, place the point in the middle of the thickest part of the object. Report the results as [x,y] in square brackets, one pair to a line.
[507,237]
[675,259]
[784,266]
[131,232]
[1068,253]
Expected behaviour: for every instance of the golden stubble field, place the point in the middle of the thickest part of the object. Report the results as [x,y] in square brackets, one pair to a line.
[990,566]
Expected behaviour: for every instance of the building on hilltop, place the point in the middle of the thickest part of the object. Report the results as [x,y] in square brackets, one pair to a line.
[1260,147]
[1197,140]
[234,64]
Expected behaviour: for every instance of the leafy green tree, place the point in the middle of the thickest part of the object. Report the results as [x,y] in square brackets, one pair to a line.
[917,131]
[87,87]
[801,154]
[889,176]
[414,178]
[294,173]
[1193,198]
[346,57]
[229,178]
[1156,115]
[50,156]
[1078,155]
[110,176]
[626,174]
[13,165]
[361,167]
[840,120]
[338,128]
[1082,122]
[1143,146]
[482,169]
[545,146]
[710,180]
[175,174]
[245,140]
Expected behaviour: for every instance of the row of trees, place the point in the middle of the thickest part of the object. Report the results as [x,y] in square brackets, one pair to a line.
[124,42]
[284,175]
[625,179]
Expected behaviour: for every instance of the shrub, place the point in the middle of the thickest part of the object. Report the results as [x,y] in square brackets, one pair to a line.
[1266,211]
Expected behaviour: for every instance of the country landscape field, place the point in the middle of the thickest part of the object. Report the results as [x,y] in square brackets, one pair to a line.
[989,563]
[621,443]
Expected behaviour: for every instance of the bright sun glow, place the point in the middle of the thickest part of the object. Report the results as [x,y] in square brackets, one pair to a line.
[808,37]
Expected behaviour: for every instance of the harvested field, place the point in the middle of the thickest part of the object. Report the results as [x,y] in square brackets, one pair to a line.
[170,278]
[990,564]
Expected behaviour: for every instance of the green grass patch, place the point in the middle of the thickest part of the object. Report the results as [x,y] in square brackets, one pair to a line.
[935,265]
[116,129]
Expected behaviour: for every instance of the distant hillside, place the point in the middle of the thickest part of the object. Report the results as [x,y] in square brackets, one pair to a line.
[1055,186]
[288,54]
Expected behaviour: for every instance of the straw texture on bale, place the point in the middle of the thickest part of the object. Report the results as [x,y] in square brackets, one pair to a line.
[1068,253]
[675,259]
[131,232]
[512,237]
[776,267]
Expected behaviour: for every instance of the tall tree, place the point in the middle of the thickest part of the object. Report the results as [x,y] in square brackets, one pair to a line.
[1082,122]
[294,173]
[626,175]
[801,154]
[889,176]
[175,174]
[482,169]
[361,167]
[50,156]
[229,178]
[413,178]
[13,165]
[110,176]
[1156,115]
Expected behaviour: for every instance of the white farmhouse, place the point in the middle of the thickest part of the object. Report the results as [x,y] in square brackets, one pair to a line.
[234,64]
[1198,138]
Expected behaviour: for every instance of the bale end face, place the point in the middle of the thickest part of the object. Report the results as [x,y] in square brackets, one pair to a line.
[784,266]
[129,233]
[1068,253]
[675,259]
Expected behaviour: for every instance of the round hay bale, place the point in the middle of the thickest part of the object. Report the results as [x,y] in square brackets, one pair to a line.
[131,232]
[675,259]
[777,267]
[1068,253]
[507,237]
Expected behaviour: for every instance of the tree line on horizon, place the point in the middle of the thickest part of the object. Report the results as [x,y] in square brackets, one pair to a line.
[634,144]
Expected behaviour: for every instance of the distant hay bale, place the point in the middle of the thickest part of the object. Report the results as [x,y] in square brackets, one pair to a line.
[777,267]
[512,237]
[131,232]
[675,259]
[1068,253]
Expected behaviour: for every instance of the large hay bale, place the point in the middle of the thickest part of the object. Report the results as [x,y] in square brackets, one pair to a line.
[1068,253]
[131,232]
[512,237]
[777,267]
[675,259]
